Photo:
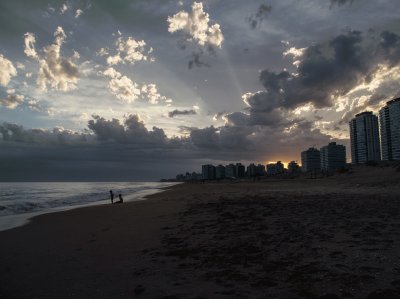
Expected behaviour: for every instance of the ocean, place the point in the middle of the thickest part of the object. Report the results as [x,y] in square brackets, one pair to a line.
[21,201]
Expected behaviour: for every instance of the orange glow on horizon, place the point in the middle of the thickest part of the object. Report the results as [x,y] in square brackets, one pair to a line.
[285,163]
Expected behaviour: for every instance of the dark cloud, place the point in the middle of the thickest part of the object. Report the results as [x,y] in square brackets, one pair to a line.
[196,60]
[110,150]
[224,140]
[261,101]
[199,53]
[205,138]
[262,12]
[132,131]
[258,142]
[115,150]
[58,136]
[320,75]
[237,119]
[390,45]
[177,112]
[326,71]
[340,2]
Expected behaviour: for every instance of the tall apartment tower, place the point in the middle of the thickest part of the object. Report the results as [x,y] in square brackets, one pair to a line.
[220,172]
[230,171]
[311,160]
[333,157]
[364,138]
[389,123]
[208,172]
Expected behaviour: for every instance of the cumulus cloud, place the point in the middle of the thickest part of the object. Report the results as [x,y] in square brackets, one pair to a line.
[121,86]
[34,105]
[150,92]
[20,65]
[55,71]
[177,112]
[78,13]
[256,19]
[30,44]
[128,91]
[7,70]
[196,26]
[102,52]
[12,100]
[128,50]
[64,8]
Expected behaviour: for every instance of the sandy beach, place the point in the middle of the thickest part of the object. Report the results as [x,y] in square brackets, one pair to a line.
[334,237]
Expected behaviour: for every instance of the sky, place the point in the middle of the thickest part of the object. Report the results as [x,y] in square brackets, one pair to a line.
[145,89]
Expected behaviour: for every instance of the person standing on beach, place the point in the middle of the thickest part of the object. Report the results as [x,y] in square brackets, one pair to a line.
[112,196]
[121,200]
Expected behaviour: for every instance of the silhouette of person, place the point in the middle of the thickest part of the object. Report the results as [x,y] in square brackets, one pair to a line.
[112,196]
[121,200]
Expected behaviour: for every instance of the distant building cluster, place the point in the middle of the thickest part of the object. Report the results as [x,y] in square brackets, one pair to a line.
[211,172]
[239,171]
[373,142]
[329,158]
[371,139]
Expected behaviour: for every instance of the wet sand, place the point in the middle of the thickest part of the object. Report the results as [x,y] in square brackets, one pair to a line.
[336,237]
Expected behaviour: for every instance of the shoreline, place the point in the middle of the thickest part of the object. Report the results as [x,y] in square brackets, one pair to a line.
[17,220]
[338,237]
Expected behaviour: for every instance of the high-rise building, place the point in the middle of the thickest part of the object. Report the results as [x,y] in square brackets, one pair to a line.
[333,157]
[252,170]
[208,172]
[220,172]
[311,160]
[293,167]
[389,122]
[275,168]
[230,171]
[260,169]
[255,170]
[240,170]
[364,138]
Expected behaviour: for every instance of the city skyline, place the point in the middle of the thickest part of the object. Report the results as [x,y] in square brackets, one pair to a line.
[329,159]
[94,90]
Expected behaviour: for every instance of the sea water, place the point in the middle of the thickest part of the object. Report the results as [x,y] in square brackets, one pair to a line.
[21,201]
